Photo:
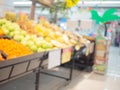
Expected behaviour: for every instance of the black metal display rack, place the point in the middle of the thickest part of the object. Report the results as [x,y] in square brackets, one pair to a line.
[17,67]
[81,61]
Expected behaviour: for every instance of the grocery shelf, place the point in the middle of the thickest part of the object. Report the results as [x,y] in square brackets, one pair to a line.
[34,63]
[81,60]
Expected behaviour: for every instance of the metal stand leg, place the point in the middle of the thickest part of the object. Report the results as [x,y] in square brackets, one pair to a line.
[72,67]
[66,78]
[37,81]
[71,70]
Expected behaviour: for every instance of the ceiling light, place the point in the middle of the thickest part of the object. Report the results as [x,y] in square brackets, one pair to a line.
[23,3]
[100,2]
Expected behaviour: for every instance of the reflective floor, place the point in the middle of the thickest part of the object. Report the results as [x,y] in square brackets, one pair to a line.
[109,81]
[114,62]
[113,70]
[81,80]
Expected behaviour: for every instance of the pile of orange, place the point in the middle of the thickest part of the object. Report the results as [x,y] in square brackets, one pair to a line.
[13,49]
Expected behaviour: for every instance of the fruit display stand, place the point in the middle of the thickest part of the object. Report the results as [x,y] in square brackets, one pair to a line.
[11,69]
[56,47]
[84,61]
[65,56]
[51,45]
[91,55]
[84,56]
[48,64]
[17,67]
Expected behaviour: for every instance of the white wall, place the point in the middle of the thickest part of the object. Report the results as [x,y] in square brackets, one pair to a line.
[79,14]
[6,5]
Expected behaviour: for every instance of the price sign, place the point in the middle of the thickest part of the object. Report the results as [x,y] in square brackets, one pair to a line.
[66,55]
[91,47]
[54,58]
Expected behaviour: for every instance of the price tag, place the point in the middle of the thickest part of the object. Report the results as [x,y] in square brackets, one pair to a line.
[66,55]
[91,47]
[54,58]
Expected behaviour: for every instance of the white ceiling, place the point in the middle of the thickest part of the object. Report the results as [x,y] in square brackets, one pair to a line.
[98,3]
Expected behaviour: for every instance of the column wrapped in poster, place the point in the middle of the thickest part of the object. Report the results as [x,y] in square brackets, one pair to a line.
[101,55]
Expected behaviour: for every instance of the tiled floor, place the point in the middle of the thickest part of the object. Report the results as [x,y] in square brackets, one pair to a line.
[114,62]
[81,80]
[109,81]
[91,81]
[113,70]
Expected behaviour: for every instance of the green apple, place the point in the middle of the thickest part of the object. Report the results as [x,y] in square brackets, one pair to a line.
[16,32]
[29,43]
[12,34]
[6,31]
[40,49]
[23,32]
[18,37]
[34,48]
[23,42]
[44,46]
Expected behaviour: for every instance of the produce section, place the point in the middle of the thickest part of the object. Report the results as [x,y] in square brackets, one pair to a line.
[28,44]
[39,37]
[46,46]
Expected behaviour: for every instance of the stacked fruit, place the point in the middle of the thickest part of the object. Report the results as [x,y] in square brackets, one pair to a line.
[54,35]
[11,16]
[39,37]
[26,24]
[33,42]
[13,49]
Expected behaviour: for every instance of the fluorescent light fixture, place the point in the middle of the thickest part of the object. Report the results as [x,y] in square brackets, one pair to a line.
[22,3]
[100,2]
[86,3]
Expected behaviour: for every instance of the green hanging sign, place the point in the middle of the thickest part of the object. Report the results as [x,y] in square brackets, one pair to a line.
[109,15]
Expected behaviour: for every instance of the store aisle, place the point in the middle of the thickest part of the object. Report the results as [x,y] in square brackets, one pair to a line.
[114,62]
[90,81]
[93,81]
[113,70]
